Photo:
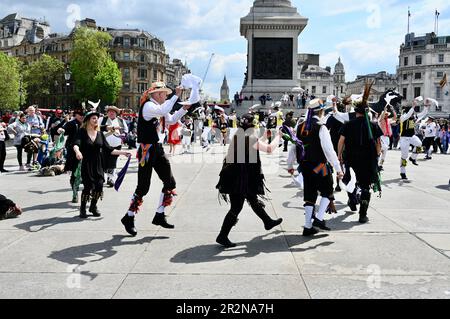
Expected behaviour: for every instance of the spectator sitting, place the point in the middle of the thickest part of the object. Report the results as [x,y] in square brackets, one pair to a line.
[8,209]
[54,164]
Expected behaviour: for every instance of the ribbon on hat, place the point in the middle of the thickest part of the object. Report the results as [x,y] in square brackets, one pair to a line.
[144,97]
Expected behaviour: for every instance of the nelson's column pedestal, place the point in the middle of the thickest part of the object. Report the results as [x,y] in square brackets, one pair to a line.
[271,28]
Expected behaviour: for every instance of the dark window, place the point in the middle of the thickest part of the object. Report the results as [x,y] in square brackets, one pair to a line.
[406,61]
[126,73]
[441,58]
[142,87]
[324,90]
[126,42]
[438,92]
[418,76]
[405,93]
[126,86]
[417,92]
[313,90]
[418,59]
[440,74]
[142,73]
[142,58]
[126,56]
[155,75]
[405,77]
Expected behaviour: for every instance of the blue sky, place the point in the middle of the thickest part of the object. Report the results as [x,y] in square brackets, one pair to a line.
[365,34]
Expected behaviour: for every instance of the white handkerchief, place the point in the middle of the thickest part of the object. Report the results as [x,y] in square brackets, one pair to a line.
[194,83]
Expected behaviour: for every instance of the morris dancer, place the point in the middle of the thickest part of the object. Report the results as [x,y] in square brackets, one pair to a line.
[407,132]
[151,153]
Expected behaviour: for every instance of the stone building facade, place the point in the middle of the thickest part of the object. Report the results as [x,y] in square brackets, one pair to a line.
[423,62]
[141,58]
[382,81]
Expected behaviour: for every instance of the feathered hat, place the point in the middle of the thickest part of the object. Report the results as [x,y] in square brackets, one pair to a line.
[363,106]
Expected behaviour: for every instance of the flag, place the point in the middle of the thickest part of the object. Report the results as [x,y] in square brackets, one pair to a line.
[444,81]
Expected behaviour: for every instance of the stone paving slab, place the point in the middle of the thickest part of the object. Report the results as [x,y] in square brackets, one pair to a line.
[95,252]
[214,286]
[58,286]
[373,287]
[393,254]
[197,253]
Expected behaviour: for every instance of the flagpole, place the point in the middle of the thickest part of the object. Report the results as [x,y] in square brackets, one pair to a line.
[409,16]
[437,22]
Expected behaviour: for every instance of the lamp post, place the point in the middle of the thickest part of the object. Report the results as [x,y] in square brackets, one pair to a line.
[67,75]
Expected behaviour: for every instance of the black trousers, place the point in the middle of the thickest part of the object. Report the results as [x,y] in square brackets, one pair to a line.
[315,183]
[428,142]
[159,162]
[19,154]
[2,154]
[237,203]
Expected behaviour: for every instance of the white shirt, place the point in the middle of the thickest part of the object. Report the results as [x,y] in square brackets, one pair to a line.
[431,130]
[113,138]
[328,149]
[153,109]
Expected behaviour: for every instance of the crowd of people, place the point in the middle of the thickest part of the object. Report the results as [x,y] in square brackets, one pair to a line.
[342,138]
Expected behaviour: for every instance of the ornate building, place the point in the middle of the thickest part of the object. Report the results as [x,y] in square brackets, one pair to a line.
[423,63]
[14,29]
[339,80]
[225,91]
[318,81]
[382,81]
[141,58]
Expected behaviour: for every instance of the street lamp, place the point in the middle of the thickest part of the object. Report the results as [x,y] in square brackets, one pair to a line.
[67,75]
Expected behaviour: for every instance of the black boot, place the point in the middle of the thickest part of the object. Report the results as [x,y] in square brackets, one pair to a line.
[75,195]
[309,231]
[259,209]
[160,220]
[363,212]
[84,201]
[228,223]
[352,202]
[365,200]
[128,222]
[93,208]
[321,225]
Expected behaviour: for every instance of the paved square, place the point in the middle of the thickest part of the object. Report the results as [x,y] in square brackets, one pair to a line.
[404,252]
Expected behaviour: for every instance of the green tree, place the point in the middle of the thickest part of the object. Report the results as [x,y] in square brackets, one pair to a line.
[108,82]
[96,74]
[40,76]
[9,83]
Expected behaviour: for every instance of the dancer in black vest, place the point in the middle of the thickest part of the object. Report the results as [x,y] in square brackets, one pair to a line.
[241,178]
[316,170]
[361,140]
[151,153]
